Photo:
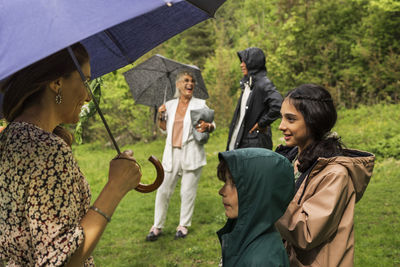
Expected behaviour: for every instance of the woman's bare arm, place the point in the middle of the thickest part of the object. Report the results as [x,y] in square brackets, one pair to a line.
[124,175]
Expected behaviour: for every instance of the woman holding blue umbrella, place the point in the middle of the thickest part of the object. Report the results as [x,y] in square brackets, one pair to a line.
[46,218]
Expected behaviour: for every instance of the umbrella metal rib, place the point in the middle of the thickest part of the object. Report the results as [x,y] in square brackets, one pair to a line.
[168,74]
[119,46]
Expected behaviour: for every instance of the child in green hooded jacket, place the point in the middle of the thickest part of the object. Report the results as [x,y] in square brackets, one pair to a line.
[259,185]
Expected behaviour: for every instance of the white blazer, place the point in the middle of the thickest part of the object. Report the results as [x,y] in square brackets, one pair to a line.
[193,154]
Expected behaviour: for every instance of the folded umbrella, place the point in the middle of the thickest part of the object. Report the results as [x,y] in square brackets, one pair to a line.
[204,114]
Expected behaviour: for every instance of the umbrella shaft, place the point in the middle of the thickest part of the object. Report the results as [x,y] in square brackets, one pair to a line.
[102,117]
[93,98]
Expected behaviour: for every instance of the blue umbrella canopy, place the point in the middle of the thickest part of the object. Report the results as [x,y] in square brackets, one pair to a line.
[115,33]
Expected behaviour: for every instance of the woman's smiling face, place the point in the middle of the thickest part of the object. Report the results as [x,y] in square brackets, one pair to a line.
[186,86]
[293,126]
[74,95]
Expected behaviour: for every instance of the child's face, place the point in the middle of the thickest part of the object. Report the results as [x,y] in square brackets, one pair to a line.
[230,198]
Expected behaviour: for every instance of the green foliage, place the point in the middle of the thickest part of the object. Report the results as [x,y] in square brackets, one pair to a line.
[193,46]
[88,110]
[386,5]
[352,47]
[128,122]
[372,129]
[123,242]
[221,83]
[200,43]
[377,218]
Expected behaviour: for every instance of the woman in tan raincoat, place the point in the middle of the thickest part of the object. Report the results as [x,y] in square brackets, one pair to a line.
[318,225]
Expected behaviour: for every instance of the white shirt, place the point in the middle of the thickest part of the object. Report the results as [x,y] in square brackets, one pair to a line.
[245,96]
[193,154]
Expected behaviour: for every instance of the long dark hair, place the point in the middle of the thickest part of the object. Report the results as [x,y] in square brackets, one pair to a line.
[316,105]
[27,85]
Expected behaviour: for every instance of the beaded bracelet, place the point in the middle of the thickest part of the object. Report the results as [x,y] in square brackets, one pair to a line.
[108,218]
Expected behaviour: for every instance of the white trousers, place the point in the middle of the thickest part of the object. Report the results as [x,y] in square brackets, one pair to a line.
[189,182]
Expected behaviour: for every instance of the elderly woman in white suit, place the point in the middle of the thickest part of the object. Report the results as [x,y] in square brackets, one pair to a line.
[183,156]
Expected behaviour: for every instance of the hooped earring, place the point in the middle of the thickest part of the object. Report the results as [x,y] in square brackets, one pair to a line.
[58,97]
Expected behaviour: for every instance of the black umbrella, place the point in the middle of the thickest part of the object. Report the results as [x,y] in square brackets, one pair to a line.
[152,82]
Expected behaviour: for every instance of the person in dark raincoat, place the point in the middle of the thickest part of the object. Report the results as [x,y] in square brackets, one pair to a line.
[258,106]
[259,185]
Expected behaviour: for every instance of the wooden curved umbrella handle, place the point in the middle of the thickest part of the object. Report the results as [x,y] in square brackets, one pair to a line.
[147,188]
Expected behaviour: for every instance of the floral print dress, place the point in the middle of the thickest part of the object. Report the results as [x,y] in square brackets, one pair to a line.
[43,197]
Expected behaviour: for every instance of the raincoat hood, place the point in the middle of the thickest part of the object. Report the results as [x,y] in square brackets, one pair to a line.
[265,186]
[359,165]
[254,58]
[318,225]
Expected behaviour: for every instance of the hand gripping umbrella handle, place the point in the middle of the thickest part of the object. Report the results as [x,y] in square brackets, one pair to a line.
[143,188]
[147,188]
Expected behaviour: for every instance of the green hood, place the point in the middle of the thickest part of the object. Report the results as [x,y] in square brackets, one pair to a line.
[265,186]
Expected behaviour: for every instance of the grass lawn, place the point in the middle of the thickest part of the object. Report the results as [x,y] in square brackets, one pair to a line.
[377,219]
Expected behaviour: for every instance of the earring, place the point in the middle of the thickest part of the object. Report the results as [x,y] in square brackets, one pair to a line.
[58,97]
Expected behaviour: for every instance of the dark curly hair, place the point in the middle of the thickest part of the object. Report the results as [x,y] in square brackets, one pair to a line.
[316,105]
